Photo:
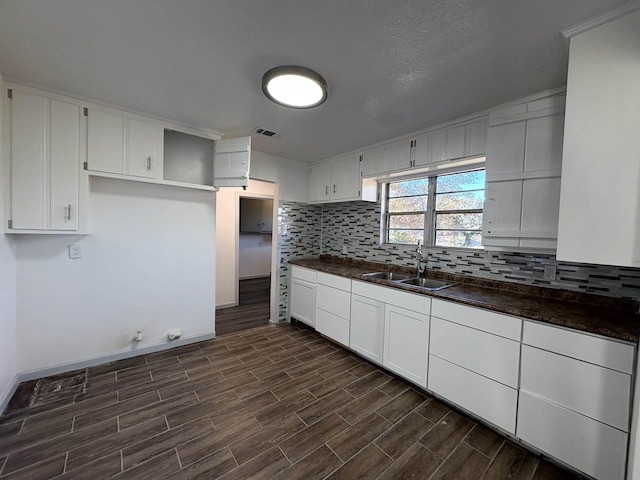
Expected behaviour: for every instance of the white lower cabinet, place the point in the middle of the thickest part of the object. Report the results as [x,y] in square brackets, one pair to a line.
[333,307]
[367,327]
[575,396]
[302,297]
[474,357]
[406,343]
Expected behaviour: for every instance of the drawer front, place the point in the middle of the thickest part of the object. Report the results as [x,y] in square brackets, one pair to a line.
[334,327]
[590,446]
[491,322]
[334,301]
[601,351]
[490,400]
[412,301]
[303,274]
[597,392]
[489,355]
[334,281]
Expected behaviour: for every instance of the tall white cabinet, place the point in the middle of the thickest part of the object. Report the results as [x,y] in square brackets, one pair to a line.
[599,218]
[44,151]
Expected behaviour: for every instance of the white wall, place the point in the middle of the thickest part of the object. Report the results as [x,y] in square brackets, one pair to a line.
[149,263]
[8,339]
[254,258]
[291,176]
[227,211]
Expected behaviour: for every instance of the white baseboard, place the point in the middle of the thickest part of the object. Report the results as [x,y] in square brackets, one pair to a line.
[252,277]
[68,367]
[226,305]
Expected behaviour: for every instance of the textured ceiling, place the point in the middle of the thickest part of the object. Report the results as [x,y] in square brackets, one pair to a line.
[393,67]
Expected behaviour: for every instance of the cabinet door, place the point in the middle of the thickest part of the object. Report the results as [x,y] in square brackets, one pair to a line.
[320,183]
[406,343]
[455,142]
[143,147]
[303,301]
[267,215]
[231,162]
[105,142]
[65,164]
[250,215]
[420,150]
[505,148]
[437,146]
[345,177]
[29,137]
[367,327]
[476,138]
[501,216]
[543,148]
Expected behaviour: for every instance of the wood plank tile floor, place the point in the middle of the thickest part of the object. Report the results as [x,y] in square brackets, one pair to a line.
[252,311]
[277,401]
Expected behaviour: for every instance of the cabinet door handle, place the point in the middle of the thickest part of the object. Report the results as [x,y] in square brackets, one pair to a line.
[334,188]
[68,209]
[326,189]
[149,163]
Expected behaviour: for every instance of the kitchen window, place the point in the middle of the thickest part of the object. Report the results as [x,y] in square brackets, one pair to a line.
[439,210]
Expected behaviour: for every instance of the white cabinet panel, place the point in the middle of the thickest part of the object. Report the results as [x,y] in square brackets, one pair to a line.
[590,446]
[486,320]
[231,162]
[333,326]
[335,281]
[143,144]
[319,183]
[367,327]
[505,148]
[302,301]
[476,138]
[105,142]
[44,158]
[597,392]
[494,357]
[406,343]
[340,180]
[490,400]
[437,146]
[600,351]
[544,143]
[332,300]
[412,301]
[455,142]
[65,165]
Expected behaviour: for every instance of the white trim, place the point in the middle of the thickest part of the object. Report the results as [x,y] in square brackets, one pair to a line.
[625,9]
[8,393]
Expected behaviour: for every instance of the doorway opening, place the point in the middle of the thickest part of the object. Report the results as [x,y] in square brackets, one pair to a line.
[246,250]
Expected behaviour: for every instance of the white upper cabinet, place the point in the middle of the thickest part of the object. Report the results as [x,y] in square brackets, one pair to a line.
[338,181]
[599,218]
[387,158]
[231,162]
[523,167]
[122,145]
[44,153]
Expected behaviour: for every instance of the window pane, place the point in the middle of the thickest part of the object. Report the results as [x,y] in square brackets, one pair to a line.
[408,204]
[458,239]
[460,201]
[406,221]
[408,188]
[458,182]
[406,236]
[459,221]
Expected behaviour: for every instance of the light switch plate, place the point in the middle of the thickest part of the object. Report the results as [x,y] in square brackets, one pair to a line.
[75,251]
[344,249]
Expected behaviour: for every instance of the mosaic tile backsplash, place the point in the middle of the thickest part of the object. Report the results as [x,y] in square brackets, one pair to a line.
[310,230]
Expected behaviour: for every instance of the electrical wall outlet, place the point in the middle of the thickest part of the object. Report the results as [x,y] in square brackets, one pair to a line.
[550,272]
[344,249]
[75,251]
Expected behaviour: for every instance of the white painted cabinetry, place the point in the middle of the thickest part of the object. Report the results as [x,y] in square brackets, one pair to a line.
[337,181]
[44,155]
[333,307]
[599,218]
[123,145]
[367,327]
[523,166]
[575,398]
[302,296]
[473,361]
[467,140]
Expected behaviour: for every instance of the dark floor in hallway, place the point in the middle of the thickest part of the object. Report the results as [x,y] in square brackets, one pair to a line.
[253,308]
[277,401]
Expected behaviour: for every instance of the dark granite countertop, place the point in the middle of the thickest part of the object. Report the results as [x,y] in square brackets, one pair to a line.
[610,317]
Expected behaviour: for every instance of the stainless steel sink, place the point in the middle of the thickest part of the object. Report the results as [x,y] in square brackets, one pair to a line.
[391,276]
[428,283]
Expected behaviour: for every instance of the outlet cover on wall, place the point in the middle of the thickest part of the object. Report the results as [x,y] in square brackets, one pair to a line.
[550,272]
[75,251]
[344,249]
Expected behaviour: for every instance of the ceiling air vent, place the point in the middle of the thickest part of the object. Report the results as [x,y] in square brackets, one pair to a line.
[267,132]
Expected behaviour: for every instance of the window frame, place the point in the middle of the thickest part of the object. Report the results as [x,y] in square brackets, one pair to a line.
[431,213]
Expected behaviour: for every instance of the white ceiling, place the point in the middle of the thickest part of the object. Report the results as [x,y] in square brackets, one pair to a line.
[393,67]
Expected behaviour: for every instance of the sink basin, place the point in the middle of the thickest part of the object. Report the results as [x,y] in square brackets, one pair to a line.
[428,283]
[391,276]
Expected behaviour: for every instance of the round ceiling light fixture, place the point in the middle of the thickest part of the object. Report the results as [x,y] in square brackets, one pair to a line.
[294,87]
